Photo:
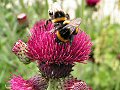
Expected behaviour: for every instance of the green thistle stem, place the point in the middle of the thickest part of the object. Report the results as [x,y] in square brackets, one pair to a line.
[52,84]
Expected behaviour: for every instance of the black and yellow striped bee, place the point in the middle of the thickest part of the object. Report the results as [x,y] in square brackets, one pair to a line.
[66,32]
[64,27]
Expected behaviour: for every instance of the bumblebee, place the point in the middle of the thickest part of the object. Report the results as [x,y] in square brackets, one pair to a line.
[66,32]
[64,27]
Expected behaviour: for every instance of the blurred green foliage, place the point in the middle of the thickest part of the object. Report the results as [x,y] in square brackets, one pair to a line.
[102,74]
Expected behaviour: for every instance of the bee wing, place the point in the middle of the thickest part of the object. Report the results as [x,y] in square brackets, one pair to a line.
[70,27]
[55,28]
[75,22]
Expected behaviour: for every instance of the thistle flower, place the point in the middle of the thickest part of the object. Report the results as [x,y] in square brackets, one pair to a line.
[50,54]
[75,84]
[35,83]
[92,3]
[20,50]
[43,47]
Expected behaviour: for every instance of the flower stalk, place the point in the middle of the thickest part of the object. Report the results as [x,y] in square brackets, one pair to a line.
[53,84]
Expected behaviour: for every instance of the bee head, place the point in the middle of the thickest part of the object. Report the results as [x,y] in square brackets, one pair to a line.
[59,14]
[50,13]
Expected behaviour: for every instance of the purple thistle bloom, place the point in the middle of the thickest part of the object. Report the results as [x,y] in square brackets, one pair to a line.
[43,47]
[35,83]
[50,54]
[75,84]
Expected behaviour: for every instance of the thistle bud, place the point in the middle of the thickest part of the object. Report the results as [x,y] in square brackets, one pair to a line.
[22,20]
[92,3]
[20,50]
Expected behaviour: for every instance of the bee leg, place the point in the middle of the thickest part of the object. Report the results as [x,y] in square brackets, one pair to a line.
[67,16]
[47,21]
[53,30]
[58,25]
[71,39]
[58,41]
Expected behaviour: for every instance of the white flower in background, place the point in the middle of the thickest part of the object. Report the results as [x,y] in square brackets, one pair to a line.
[108,8]
[115,15]
[70,7]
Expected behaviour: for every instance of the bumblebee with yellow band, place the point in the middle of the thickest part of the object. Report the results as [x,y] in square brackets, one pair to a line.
[64,27]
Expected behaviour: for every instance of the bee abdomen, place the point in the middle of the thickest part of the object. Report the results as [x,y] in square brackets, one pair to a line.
[61,37]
